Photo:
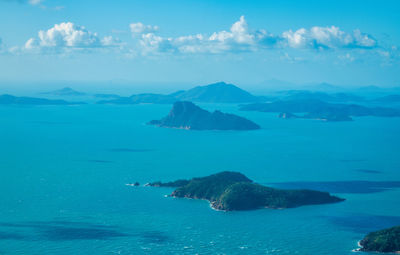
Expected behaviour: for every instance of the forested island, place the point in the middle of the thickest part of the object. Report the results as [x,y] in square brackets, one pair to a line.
[387,240]
[186,115]
[230,191]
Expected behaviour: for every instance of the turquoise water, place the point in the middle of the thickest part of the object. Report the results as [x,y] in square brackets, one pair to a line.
[64,170]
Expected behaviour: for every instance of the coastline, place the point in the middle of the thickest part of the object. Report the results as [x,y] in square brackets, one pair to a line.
[209,202]
[359,247]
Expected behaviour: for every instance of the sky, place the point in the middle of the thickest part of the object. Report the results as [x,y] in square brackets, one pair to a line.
[343,42]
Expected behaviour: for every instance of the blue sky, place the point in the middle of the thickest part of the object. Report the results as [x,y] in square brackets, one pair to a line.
[349,43]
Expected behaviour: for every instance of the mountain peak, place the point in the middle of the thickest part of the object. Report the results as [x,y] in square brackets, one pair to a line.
[66,91]
[219,92]
[186,115]
[220,83]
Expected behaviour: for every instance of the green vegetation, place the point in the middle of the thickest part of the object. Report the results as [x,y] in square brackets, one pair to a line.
[387,240]
[186,115]
[210,187]
[234,191]
[177,183]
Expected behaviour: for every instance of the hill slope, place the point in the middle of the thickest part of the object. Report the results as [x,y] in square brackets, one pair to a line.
[387,240]
[186,115]
[220,92]
[233,191]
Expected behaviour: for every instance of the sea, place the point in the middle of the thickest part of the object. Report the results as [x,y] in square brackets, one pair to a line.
[64,170]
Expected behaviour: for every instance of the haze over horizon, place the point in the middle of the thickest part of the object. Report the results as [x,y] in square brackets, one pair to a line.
[247,44]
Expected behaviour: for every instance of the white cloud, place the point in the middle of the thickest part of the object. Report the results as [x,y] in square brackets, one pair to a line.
[58,8]
[240,38]
[347,57]
[390,56]
[291,59]
[109,41]
[35,2]
[239,33]
[140,28]
[327,38]
[67,35]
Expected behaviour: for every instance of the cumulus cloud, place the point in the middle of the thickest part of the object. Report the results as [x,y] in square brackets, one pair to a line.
[347,57]
[390,55]
[241,38]
[140,28]
[68,36]
[327,38]
[238,38]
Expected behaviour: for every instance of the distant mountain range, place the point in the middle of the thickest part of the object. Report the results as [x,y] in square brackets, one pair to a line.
[339,97]
[65,92]
[376,89]
[278,85]
[317,109]
[13,100]
[333,106]
[214,93]
[107,96]
[289,95]
[220,92]
[147,98]
[388,99]
[186,115]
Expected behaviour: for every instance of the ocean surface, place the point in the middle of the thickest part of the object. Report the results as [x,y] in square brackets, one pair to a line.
[63,171]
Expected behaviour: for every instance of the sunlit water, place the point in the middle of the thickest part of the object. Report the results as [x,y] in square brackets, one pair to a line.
[64,170]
